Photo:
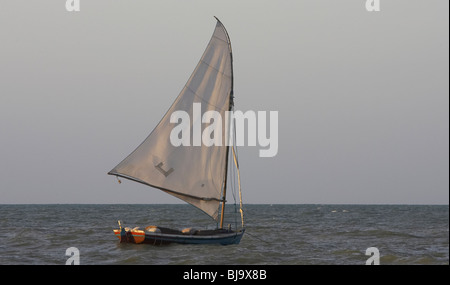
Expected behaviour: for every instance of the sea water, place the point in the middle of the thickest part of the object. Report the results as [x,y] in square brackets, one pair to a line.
[275,234]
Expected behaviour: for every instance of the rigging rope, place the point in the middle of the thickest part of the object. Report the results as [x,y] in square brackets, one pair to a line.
[257,238]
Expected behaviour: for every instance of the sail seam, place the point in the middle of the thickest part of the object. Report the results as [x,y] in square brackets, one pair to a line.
[218,71]
[203,100]
[220,39]
[200,97]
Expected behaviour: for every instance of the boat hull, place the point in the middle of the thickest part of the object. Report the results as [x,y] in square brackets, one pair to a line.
[161,238]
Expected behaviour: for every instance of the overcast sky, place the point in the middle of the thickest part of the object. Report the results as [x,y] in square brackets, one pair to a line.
[362,97]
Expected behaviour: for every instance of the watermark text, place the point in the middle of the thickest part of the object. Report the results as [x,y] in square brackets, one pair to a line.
[188,131]
[74,254]
[375,256]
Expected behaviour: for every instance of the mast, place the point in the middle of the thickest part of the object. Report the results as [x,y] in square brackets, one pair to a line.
[230,107]
[225,181]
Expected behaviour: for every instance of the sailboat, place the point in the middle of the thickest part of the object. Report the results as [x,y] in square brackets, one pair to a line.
[194,173]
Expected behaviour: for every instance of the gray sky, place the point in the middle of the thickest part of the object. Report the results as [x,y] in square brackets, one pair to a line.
[363,97]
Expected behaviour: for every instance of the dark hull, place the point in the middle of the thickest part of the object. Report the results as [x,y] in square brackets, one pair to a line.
[223,237]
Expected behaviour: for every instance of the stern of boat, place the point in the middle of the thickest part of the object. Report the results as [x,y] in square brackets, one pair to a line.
[129,235]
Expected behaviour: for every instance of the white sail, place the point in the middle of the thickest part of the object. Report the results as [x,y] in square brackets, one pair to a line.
[195,174]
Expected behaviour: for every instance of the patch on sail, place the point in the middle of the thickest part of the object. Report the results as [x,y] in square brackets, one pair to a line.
[164,172]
